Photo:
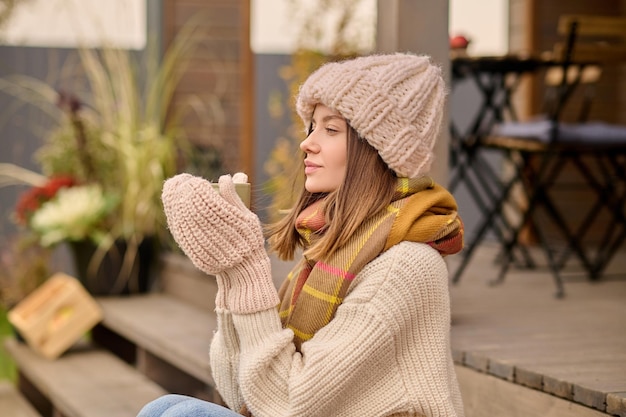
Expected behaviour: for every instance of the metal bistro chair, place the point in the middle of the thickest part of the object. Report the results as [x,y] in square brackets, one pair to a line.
[548,152]
[496,78]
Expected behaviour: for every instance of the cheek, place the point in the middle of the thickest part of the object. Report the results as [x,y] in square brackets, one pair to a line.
[342,155]
[340,164]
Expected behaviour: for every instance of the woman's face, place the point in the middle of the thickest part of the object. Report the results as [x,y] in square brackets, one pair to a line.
[326,151]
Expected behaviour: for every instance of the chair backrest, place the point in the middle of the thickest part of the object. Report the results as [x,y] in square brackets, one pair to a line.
[593,38]
[578,77]
[589,43]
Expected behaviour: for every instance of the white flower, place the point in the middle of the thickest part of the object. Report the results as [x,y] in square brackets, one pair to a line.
[73,214]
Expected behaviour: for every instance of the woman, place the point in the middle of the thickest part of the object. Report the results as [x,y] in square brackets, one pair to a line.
[361,327]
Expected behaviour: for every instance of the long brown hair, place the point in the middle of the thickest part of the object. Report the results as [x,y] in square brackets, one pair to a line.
[368,187]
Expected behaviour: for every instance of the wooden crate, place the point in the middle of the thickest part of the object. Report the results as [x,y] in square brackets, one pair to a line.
[56,315]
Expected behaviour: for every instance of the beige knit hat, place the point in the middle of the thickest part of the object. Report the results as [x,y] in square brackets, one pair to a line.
[395,102]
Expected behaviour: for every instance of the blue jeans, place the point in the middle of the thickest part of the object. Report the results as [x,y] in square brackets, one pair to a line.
[174,405]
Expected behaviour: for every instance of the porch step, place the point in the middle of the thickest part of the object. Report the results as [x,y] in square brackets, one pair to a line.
[170,338]
[84,382]
[13,404]
[179,278]
[146,346]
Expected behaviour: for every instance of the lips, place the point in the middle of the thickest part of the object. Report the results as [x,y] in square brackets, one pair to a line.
[310,167]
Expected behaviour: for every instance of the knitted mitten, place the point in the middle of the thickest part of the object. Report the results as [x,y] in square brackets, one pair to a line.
[223,238]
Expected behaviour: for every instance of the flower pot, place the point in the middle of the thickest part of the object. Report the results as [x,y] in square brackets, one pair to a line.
[115,272]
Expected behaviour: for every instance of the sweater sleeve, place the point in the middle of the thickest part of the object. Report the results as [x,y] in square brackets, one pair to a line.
[386,351]
[224,359]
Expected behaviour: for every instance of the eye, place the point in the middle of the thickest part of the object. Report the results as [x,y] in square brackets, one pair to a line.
[331,130]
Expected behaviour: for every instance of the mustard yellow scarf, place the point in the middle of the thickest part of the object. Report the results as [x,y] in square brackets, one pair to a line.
[421,211]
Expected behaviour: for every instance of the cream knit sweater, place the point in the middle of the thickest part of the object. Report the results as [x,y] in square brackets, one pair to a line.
[385,353]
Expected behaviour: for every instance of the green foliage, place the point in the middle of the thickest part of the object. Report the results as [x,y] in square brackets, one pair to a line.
[116,124]
[119,127]
[59,155]
[8,371]
[23,267]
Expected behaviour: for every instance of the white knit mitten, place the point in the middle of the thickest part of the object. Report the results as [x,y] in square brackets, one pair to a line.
[223,238]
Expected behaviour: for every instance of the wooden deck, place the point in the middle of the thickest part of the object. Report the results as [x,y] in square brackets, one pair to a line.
[572,348]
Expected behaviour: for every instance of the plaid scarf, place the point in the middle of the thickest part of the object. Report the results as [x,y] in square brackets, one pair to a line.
[421,211]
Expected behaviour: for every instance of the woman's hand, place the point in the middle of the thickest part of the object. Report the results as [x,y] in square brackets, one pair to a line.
[215,230]
[221,237]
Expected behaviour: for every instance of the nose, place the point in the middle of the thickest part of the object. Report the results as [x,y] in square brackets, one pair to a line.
[309,144]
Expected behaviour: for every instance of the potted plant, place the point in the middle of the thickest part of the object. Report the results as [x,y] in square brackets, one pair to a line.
[105,160]
[23,267]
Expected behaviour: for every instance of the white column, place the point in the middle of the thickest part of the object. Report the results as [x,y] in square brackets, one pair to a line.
[419,26]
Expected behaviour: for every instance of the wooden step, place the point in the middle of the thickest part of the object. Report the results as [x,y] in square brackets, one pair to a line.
[13,404]
[84,382]
[179,278]
[171,339]
[485,395]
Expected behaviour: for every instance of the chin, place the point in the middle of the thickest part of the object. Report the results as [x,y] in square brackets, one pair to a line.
[319,190]
[315,184]
[313,187]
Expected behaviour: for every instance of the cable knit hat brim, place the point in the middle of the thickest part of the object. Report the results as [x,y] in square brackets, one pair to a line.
[395,102]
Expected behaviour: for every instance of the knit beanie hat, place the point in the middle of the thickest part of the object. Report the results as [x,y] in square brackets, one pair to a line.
[395,102]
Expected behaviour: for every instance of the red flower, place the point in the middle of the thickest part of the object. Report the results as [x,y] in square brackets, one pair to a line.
[32,199]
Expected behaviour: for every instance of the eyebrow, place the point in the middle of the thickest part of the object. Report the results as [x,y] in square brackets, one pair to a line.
[330,117]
